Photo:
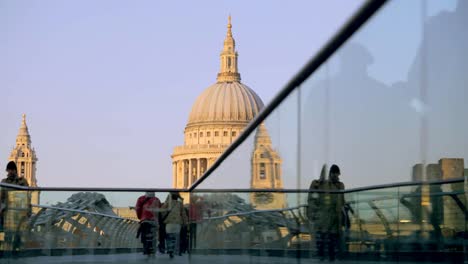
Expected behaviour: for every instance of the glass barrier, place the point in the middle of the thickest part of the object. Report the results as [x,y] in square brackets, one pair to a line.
[389,223]
[365,224]
[89,222]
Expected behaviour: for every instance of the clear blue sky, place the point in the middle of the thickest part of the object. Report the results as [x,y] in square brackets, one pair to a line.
[107,86]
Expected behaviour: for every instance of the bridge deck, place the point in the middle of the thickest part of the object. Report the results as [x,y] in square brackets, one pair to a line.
[196,259]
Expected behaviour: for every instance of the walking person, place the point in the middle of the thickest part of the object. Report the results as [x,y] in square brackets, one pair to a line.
[330,217]
[195,217]
[146,208]
[174,217]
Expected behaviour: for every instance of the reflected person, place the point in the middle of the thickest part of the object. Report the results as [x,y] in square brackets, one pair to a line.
[313,206]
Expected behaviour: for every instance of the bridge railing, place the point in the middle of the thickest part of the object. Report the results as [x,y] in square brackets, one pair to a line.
[55,221]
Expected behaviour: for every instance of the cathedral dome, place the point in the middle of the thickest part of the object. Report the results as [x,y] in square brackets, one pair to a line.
[225,102]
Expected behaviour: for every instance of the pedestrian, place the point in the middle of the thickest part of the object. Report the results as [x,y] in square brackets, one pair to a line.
[146,208]
[195,216]
[12,178]
[330,218]
[12,175]
[174,217]
[184,234]
[12,221]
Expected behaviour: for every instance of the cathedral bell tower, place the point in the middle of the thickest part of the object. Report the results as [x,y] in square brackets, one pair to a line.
[24,155]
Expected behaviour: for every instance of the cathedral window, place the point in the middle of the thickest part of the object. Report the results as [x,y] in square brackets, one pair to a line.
[195,134]
[201,134]
[225,133]
[229,62]
[216,133]
[262,171]
[22,154]
[233,133]
[208,134]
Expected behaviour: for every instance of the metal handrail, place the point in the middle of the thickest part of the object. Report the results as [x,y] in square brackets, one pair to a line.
[368,188]
[80,211]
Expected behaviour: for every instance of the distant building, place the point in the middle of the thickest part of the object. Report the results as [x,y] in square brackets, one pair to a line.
[125,212]
[447,168]
[24,155]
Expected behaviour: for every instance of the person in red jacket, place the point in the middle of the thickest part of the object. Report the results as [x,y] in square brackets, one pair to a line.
[146,208]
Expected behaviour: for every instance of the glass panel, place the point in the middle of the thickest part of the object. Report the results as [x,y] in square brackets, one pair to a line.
[248,222]
[385,108]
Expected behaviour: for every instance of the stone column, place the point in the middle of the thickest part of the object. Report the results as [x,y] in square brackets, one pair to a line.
[190,173]
[174,174]
[183,174]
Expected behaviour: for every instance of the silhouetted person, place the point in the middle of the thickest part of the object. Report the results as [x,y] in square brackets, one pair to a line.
[12,178]
[146,209]
[12,205]
[12,175]
[330,218]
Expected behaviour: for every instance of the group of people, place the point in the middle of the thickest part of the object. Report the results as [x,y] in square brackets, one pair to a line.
[327,213]
[163,226]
